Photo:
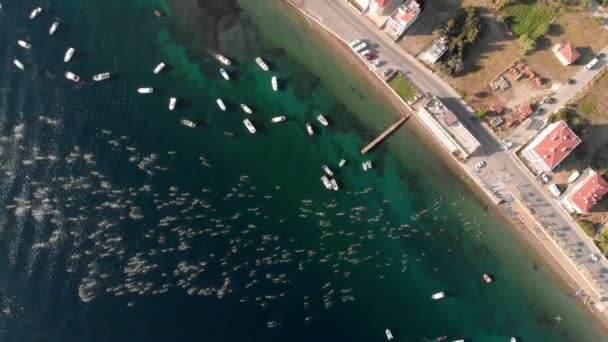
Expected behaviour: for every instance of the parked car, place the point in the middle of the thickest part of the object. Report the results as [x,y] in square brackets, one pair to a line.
[508,144]
[591,63]
[594,257]
[544,178]
[365,52]
[480,165]
[554,190]
[387,72]
[375,63]
[370,56]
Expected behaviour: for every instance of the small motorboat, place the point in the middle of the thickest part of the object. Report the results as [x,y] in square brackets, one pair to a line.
[68,54]
[342,162]
[224,74]
[513,339]
[246,108]
[24,44]
[72,76]
[172,103]
[334,185]
[368,164]
[222,59]
[322,120]
[145,90]
[159,14]
[327,170]
[389,334]
[278,119]
[249,126]
[309,129]
[101,77]
[220,104]
[326,182]
[18,64]
[275,84]
[53,28]
[36,12]
[159,68]
[188,123]
[260,62]
[487,278]
[438,295]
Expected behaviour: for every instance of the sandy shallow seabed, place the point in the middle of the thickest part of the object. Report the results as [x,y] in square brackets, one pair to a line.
[524,235]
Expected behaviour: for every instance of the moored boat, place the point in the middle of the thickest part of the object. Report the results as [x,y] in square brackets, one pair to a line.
[249,126]
[68,54]
[18,64]
[309,129]
[275,84]
[322,120]
[334,185]
[53,28]
[326,182]
[72,76]
[389,334]
[159,68]
[188,123]
[24,44]
[220,104]
[158,13]
[260,62]
[342,162]
[102,76]
[145,90]
[172,103]
[438,295]
[487,278]
[513,339]
[222,59]
[36,12]
[368,164]
[224,74]
[246,108]
[327,170]
[278,119]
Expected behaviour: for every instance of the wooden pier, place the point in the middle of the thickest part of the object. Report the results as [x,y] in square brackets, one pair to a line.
[385,134]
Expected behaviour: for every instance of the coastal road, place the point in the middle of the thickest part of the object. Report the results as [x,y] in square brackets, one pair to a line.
[502,168]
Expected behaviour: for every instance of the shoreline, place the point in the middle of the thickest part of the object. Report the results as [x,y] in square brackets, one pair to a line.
[523,232]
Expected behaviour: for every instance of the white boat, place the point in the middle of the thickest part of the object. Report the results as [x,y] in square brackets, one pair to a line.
[322,120]
[438,295]
[145,90]
[260,62]
[278,119]
[327,170]
[36,12]
[188,123]
[334,185]
[68,54]
[369,164]
[355,43]
[53,28]
[249,126]
[172,103]
[246,108]
[513,339]
[220,104]
[72,76]
[159,68]
[223,59]
[274,82]
[389,335]
[342,162]
[487,278]
[101,77]
[309,129]
[18,64]
[224,74]
[24,44]
[364,166]
[326,182]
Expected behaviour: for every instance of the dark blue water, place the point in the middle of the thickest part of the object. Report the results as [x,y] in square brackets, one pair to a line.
[117,223]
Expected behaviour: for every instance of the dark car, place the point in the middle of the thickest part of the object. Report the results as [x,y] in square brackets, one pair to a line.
[370,56]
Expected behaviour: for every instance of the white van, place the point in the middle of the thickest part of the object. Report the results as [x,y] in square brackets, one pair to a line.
[591,64]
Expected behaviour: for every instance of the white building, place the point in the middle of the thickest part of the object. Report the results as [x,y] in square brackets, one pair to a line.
[403,17]
[550,147]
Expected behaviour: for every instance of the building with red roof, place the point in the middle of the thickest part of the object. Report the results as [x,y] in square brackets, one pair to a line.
[525,112]
[403,17]
[379,7]
[567,54]
[552,145]
[583,194]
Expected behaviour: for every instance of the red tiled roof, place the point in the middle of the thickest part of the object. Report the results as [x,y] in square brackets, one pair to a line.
[525,111]
[382,3]
[590,193]
[569,53]
[408,15]
[557,144]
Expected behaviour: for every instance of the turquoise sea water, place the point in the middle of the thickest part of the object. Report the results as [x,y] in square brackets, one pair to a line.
[120,224]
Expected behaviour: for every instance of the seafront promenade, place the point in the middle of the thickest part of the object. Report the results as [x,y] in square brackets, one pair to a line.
[504,176]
